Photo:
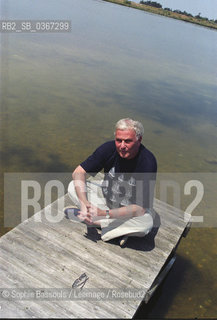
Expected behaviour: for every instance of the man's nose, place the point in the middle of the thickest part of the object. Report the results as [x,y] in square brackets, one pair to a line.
[122,144]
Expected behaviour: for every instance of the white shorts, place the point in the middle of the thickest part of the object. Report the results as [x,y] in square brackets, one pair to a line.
[113,228]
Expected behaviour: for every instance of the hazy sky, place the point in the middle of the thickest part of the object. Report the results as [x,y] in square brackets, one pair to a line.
[207,8]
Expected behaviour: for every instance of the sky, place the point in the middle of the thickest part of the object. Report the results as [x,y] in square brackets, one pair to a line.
[207,8]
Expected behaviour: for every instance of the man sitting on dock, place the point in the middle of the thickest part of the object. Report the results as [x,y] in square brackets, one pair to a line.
[122,204]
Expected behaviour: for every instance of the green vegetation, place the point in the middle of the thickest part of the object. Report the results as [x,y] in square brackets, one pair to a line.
[152,4]
[155,7]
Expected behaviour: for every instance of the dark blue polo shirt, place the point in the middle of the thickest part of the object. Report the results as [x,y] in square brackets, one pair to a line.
[126,181]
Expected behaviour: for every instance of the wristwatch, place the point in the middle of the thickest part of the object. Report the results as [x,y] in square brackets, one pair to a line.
[107,214]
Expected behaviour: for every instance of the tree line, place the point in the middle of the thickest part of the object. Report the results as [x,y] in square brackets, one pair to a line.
[158,5]
[152,4]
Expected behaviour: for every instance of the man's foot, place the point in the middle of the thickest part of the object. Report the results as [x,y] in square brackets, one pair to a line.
[123,241]
[71,212]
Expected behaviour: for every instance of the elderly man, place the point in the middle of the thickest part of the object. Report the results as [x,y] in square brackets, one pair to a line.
[121,205]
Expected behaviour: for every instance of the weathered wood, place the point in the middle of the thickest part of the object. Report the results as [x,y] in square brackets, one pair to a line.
[41,254]
[159,279]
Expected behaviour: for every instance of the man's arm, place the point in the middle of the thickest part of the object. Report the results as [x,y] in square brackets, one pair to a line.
[130,211]
[79,177]
[127,212]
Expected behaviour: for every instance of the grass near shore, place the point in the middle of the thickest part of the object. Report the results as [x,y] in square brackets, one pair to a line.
[166,13]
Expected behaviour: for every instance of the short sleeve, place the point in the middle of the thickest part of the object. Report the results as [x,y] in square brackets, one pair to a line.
[97,160]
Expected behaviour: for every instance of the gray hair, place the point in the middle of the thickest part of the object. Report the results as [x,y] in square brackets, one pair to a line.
[127,123]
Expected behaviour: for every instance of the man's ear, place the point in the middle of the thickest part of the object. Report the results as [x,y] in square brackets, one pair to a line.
[140,139]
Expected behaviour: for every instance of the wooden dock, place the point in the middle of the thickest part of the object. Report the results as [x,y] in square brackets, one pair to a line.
[53,255]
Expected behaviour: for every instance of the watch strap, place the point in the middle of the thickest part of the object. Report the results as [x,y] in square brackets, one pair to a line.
[107,214]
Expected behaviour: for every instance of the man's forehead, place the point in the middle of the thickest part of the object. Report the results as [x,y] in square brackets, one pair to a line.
[127,133]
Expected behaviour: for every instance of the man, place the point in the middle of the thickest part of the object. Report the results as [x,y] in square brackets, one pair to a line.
[121,205]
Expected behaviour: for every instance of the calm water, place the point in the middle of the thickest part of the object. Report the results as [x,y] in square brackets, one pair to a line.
[62,94]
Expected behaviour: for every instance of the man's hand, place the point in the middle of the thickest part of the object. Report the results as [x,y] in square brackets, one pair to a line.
[96,213]
[85,217]
[84,214]
[89,213]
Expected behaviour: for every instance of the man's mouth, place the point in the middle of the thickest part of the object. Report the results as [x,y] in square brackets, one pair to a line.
[123,152]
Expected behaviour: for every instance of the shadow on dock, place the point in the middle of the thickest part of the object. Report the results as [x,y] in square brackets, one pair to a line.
[146,243]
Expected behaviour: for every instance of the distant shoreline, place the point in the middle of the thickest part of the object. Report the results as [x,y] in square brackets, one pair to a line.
[166,13]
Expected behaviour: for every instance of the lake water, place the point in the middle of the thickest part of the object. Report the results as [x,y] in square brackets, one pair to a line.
[62,94]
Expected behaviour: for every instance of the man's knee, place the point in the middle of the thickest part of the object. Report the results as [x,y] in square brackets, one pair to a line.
[71,188]
[72,193]
[145,225]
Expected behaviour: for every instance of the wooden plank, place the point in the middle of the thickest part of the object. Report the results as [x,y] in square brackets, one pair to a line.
[38,273]
[30,308]
[42,273]
[119,260]
[76,243]
[52,255]
[103,248]
[61,308]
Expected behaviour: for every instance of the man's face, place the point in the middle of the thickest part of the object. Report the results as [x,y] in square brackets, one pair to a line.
[127,144]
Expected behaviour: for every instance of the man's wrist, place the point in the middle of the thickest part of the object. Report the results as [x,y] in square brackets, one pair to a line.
[84,204]
[107,214]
